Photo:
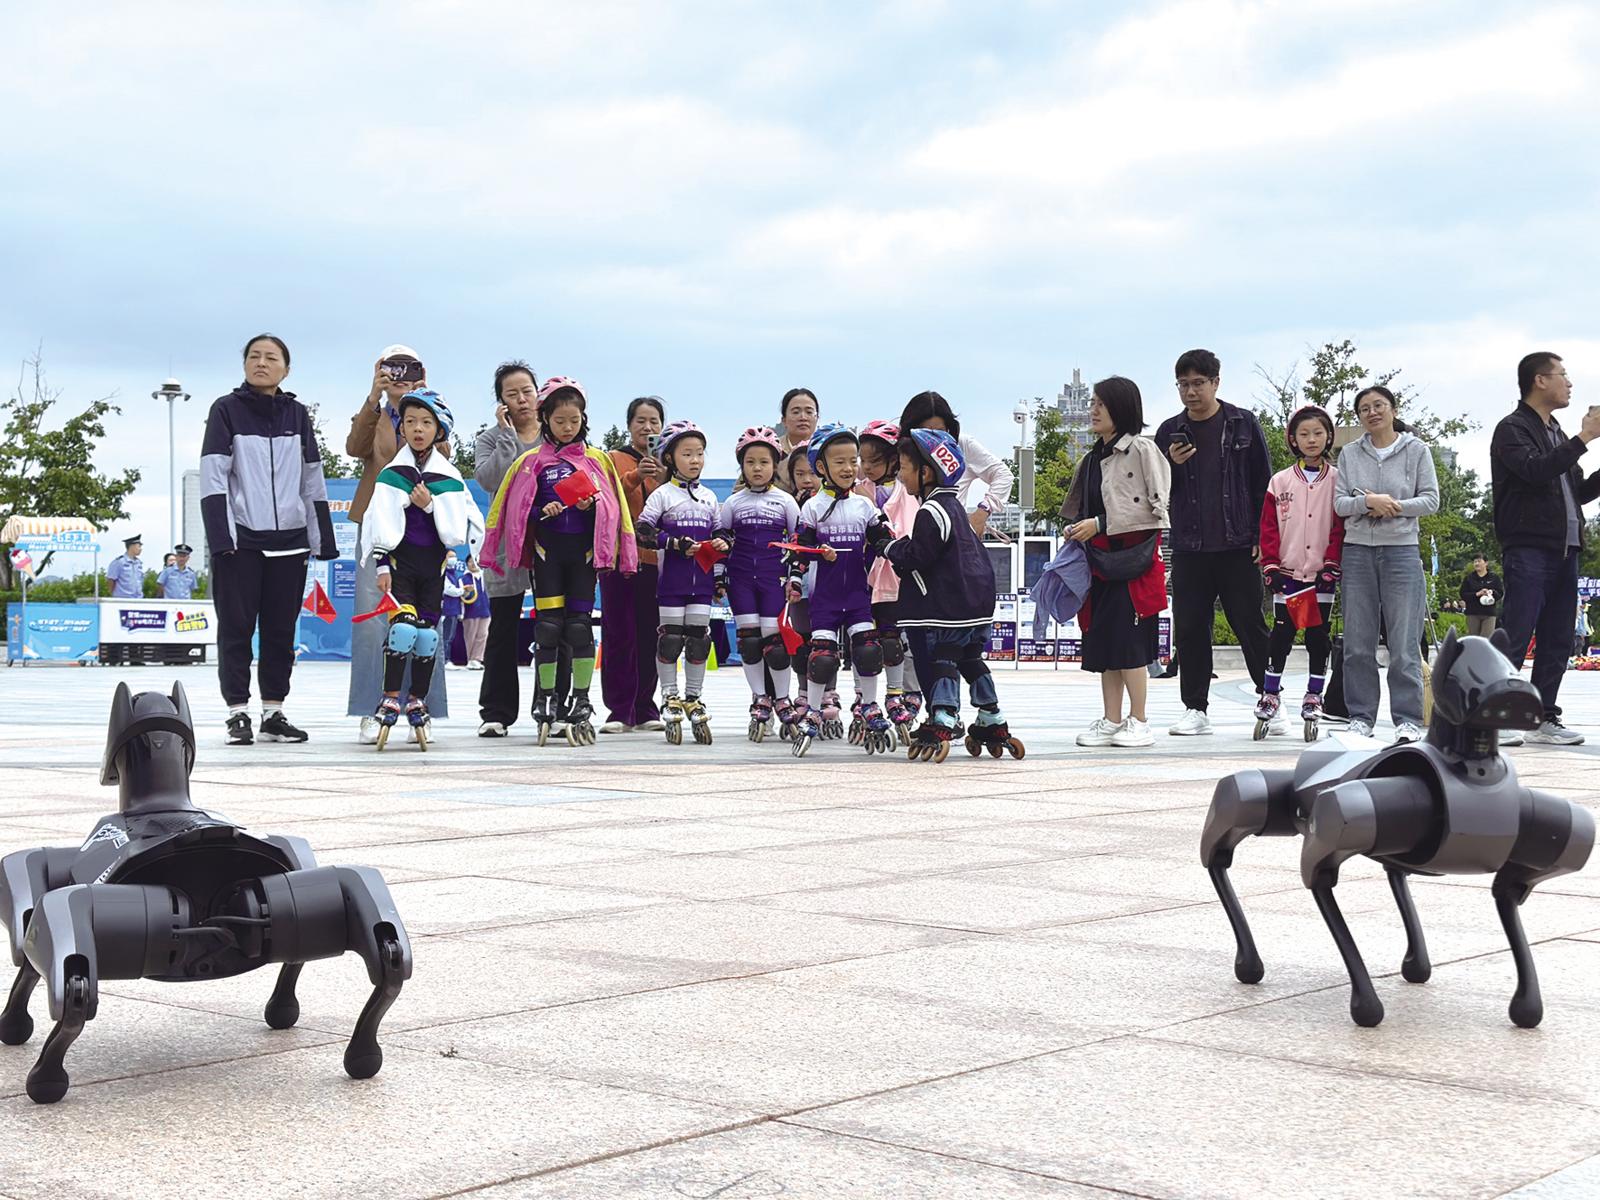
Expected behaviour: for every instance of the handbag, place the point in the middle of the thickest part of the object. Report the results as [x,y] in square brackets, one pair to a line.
[1124,565]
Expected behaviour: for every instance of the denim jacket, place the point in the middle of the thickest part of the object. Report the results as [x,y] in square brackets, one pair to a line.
[1246,471]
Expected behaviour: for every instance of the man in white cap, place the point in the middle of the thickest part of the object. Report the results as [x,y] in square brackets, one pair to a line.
[373,442]
[126,572]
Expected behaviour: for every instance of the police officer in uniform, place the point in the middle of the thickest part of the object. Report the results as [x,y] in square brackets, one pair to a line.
[126,572]
[177,581]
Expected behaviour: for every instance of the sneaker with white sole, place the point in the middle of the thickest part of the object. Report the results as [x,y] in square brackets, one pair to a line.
[474,665]
[1279,725]
[616,727]
[1133,732]
[1407,732]
[1099,733]
[1511,737]
[1361,729]
[654,725]
[368,734]
[1193,723]
[492,729]
[1554,733]
[275,727]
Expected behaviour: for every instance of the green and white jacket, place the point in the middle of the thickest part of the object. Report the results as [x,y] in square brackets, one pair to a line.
[456,519]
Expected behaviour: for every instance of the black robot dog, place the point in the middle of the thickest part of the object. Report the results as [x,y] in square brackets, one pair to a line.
[163,890]
[1450,805]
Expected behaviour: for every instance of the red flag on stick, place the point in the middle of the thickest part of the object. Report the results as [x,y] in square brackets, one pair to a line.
[387,605]
[792,637]
[318,604]
[797,547]
[1303,608]
[708,556]
[575,487]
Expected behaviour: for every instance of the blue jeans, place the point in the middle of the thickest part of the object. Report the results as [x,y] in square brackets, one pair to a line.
[1541,599]
[1383,588]
[954,654]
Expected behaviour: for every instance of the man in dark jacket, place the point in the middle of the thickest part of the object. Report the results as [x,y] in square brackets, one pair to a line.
[1481,590]
[1220,473]
[1539,494]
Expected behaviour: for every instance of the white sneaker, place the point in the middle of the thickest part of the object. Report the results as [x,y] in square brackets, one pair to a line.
[1361,729]
[474,665]
[655,726]
[492,729]
[1407,732]
[1100,733]
[1193,723]
[1134,732]
[616,727]
[1554,733]
[450,666]
[1279,725]
[1511,737]
[368,736]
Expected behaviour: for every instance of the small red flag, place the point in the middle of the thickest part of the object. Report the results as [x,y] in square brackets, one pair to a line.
[1303,608]
[318,604]
[708,556]
[575,487]
[797,547]
[792,637]
[387,605]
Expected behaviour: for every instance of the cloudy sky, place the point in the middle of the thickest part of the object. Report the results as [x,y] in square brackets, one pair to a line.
[718,201]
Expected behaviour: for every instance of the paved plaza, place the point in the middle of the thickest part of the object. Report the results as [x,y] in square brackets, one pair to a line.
[720,972]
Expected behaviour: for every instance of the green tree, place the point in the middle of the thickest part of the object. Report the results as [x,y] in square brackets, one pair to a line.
[464,452]
[1055,458]
[50,472]
[615,439]
[334,464]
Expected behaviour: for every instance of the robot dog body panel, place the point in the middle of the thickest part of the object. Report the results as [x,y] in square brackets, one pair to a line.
[163,890]
[1448,806]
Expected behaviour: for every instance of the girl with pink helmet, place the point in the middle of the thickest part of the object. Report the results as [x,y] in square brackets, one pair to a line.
[754,517]
[880,468]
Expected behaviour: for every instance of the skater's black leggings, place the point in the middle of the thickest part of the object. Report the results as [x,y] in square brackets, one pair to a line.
[1318,641]
[563,588]
[416,582]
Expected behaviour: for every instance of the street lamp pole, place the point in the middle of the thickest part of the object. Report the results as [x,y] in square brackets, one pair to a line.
[171,391]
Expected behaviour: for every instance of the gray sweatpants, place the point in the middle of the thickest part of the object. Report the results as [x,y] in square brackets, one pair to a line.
[1383,586]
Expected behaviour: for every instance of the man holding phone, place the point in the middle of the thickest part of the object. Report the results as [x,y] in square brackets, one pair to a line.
[1219,480]
[1539,494]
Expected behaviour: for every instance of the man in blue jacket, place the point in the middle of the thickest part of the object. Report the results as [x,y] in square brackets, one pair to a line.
[1220,473]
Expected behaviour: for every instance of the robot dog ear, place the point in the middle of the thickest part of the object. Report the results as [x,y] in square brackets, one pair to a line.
[121,718]
[180,703]
[1501,641]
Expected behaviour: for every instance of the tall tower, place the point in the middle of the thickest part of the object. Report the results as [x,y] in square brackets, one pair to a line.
[1073,404]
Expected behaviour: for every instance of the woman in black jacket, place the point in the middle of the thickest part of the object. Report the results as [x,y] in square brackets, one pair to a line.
[265,506]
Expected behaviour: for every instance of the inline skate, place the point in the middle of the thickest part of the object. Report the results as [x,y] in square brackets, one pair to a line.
[387,714]
[806,730]
[832,726]
[1267,708]
[931,742]
[579,718]
[993,736]
[699,719]
[761,709]
[877,735]
[1311,714]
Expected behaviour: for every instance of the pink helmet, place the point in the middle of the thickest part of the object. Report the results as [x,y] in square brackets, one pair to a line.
[883,431]
[560,383]
[672,435]
[757,435]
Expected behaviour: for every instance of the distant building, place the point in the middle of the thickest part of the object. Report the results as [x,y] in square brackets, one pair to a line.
[194,528]
[1073,405]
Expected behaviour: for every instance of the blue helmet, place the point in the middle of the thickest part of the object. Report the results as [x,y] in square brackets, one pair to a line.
[821,439]
[938,450]
[431,400]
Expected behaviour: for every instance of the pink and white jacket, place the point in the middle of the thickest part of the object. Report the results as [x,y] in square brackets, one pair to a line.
[1301,535]
[899,508]
[614,545]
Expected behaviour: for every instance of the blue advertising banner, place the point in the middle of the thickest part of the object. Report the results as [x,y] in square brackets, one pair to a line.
[54,633]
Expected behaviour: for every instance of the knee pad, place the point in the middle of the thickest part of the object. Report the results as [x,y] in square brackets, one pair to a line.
[823,665]
[402,633]
[427,644]
[773,653]
[894,650]
[945,668]
[972,669]
[697,644]
[866,654]
[669,643]
[578,634]
[751,646]
[546,632]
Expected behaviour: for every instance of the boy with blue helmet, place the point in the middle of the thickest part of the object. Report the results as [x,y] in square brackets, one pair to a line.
[947,601]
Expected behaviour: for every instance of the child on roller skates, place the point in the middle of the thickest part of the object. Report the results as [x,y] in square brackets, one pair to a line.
[751,519]
[947,599]
[676,520]
[880,467]
[849,530]
[419,511]
[1302,540]
[566,501]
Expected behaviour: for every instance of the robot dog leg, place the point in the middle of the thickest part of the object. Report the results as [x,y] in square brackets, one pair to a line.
[1249,804]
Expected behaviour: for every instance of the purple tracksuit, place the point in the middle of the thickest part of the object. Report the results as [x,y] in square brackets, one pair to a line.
[841,598]
[755,570]
[679,509]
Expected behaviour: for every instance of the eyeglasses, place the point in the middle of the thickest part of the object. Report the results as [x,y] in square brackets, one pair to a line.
[1372,410]
[1192,385]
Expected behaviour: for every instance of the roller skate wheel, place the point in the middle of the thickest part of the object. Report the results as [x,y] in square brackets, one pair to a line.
[383,736]
[996,750]
[974,747]
[1260,733]
[1018,750]
[1312,732]
[941,752]
[544,733]
[422,738]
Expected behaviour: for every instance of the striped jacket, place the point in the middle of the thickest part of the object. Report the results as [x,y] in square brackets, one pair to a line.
[456,519]
[261,484]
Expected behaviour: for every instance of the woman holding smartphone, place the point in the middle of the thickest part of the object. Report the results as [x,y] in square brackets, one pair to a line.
[628,602]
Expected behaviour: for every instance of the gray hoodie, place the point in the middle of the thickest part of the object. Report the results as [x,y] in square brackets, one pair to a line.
[1406,473]
[497,449]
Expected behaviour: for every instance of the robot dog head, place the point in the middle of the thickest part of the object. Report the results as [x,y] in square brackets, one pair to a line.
[1476,686]
[150,734]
